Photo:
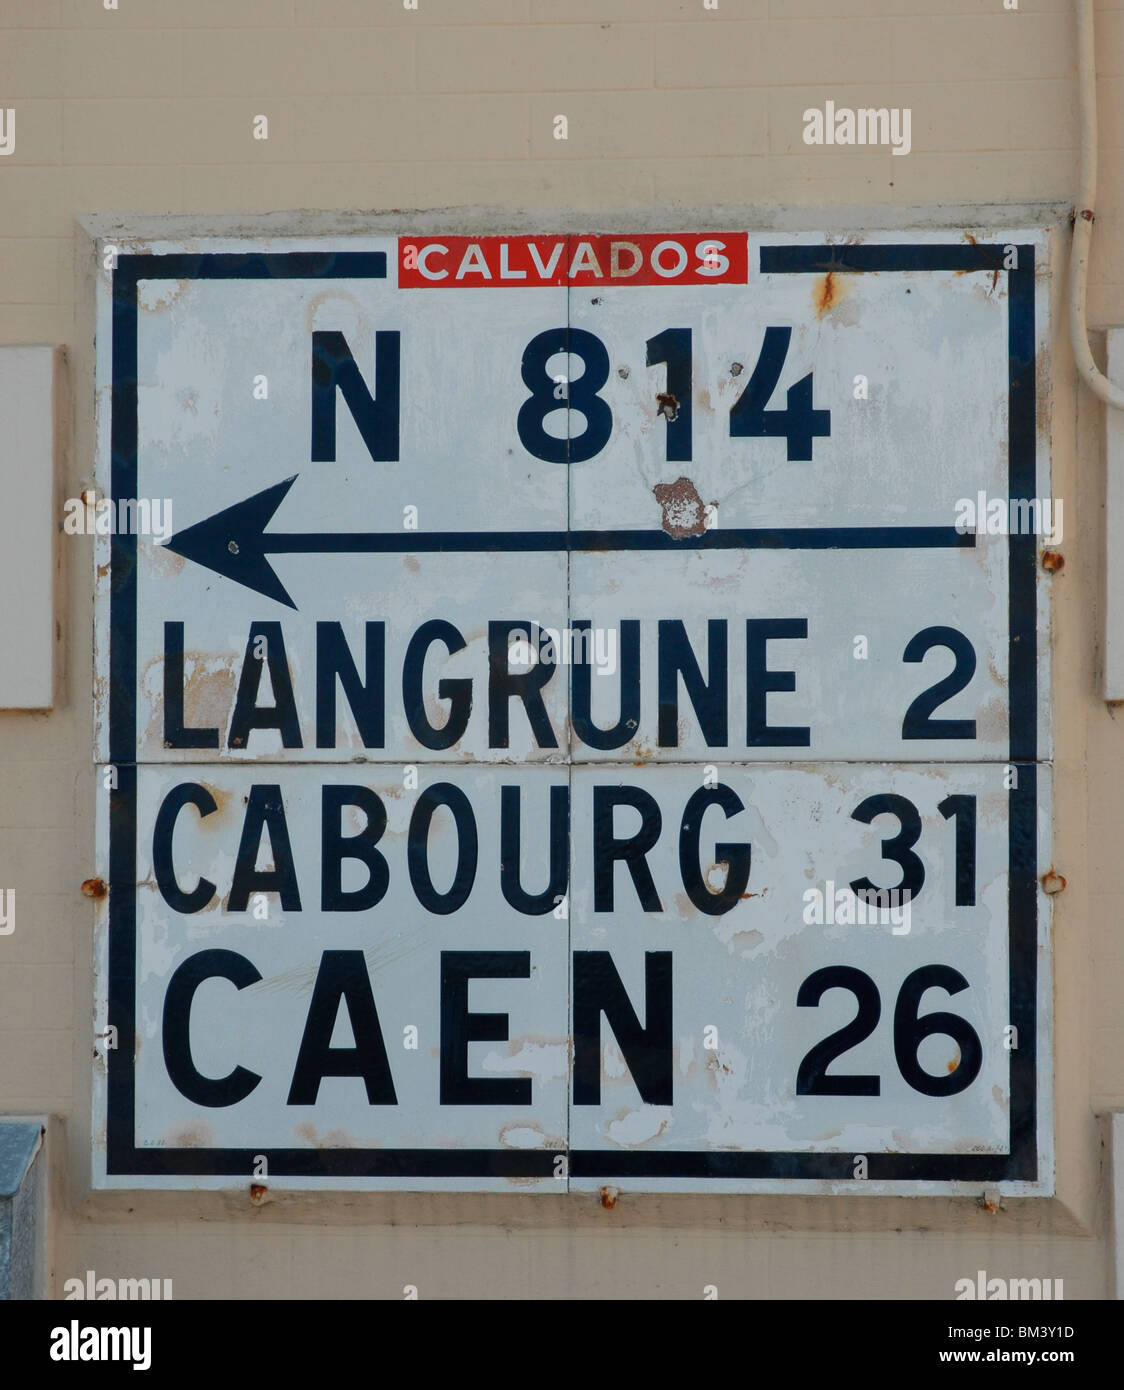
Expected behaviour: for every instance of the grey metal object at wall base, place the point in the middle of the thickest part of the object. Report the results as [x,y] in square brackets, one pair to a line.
[21,1174]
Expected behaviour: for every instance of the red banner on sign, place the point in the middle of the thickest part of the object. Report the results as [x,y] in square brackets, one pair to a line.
[460,262]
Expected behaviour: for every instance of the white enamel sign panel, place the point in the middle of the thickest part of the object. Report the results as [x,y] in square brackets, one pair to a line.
[571,713]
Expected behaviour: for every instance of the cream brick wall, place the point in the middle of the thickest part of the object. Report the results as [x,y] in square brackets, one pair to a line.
[148,109]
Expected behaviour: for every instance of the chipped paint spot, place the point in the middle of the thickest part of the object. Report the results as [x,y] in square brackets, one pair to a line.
[683,511]
[716,875]
[686,907]
[637,1126]
[524,1136]
[1042,395]
[165,563]
[157,295]
[208,692]
[541,1058]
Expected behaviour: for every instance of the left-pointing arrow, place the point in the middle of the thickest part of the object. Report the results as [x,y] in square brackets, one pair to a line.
[233,542]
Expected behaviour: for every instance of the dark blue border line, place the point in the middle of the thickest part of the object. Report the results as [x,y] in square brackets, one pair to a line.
[1022,688]
[121,1077]
[539,1163]
[123,1158]
[254,265]
[819,260]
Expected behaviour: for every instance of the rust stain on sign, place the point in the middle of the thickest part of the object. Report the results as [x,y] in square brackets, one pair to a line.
[972,240]
[683,511]
[827,294]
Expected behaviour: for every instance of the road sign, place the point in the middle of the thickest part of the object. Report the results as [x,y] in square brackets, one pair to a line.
[586,731]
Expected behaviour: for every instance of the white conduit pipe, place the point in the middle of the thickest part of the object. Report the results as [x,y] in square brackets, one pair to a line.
[1087,369]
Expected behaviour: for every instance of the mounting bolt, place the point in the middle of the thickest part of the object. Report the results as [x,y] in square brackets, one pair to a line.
[990,1200]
